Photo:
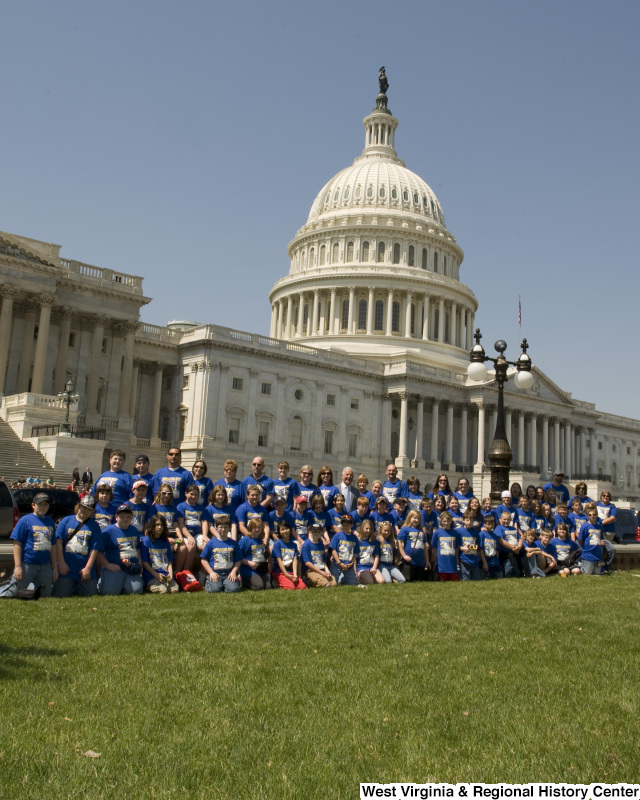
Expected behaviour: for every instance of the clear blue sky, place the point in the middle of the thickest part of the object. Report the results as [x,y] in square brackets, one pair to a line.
[186,141]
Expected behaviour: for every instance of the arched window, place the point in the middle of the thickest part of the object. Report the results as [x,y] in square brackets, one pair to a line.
[362,315]
[396,253]
[444,265]
[424,258]
[447,332]
[295,434]
[365,251]
[411,258]
[312,256]
[380,252]
[336,251]
[395,317]
[435,262]
[305,316]
[323,254]
[350,252]
[413,319]
[436,323]
[378,316]
[345,314]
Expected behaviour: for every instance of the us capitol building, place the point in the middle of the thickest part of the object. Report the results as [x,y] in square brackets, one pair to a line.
[365,362]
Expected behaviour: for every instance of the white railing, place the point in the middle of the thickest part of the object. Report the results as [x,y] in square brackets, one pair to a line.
[118,279]
[110,422]
[143,442]
[31,399]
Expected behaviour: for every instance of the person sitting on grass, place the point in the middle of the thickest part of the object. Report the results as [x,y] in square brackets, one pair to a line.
[388,547]
[547,557]
[156,555]
[368,555]
[567,550]
[489,544]
[591,539]
[78,539]
[316,573]
[254,569]
[285,560]
[344,551]
[413,548]
[120,562]
[194,529]
[445,546]
[471,556]
[221,559]
[532,552]
[34,553]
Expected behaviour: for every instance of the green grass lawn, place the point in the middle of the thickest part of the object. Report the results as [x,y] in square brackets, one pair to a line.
[305,694]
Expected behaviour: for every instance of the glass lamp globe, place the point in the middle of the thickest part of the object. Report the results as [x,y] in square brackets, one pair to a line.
[523,380]
[477,371]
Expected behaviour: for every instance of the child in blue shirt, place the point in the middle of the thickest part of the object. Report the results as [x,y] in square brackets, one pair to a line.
[221,558]
[302,519]
[344,552]
[34,550]
[413,548]
[547,557]
[576,518]
[510,547]
[471,555]
[157,557]
[400,512]
[360,514]
[506,506]
[78,539]
[254,569]
[250,510]
[454,510]
[285,560]
[388,545]
[139,505]
[120,562]
[194,526]
[566,551]
[524,517]
[489,545]
[591,539]
[445,544]
[316,573]
[284,486]
[219,506]
[368,555]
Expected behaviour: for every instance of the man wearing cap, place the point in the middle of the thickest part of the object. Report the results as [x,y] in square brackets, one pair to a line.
[34,552]
[78,540]
[121,563]
[562,493]
[119,480]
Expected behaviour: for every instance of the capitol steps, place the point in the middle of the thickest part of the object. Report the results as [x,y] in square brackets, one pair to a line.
[21,458]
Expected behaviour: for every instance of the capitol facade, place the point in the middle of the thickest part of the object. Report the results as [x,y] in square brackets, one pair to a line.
[365,362]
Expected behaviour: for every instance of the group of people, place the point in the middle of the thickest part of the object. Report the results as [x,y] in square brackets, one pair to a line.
[32,482]
[174,528]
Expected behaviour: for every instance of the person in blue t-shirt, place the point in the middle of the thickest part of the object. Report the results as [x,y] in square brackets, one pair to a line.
[567,551]
[562,494]
[285,560]
[429,517]
[591,539]
[235,491]
[489,544]
[251,509]
[120,562]
[279,514]
[393,487]
[472,561]
[440,487]
[139,505]
[178,478]
[302,519]
[115,477]
[221,559]
[141,473]
[315,570]
[381,513]
[510,548]
[164,505]
[344,552]
[156,556]
[562,515]
[326,486]
[464,494]
[254,567]
[78,539]
[547,560]
[362,483]
[105,510]
[361,513]
[456,515]
[523,519]
[581,493]
[413,548]
[576,518]
[194,529]
[319,515]
[336,512]
[487,509]
[204,484]
[533,553]
[284,486]
[445,546]
[219,506]
[414,497]
[388,547]
[400,512]
[34,551]
[508,506]
[305,485]
[368,555]
[258,478]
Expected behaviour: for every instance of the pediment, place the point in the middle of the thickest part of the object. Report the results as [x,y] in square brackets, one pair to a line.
[29,249]
[546,389]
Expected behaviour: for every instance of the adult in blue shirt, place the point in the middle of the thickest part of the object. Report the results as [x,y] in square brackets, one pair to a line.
[176,476]
[234,487]
[393,487]
[34,553]
[115,477]
[562,493]
[258,478]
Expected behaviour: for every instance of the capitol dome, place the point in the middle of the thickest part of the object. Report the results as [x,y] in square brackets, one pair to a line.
[374,271]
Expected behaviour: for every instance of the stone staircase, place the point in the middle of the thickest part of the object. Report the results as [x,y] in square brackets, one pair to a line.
[21,458]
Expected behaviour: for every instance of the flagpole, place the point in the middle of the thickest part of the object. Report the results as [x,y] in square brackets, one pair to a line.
[519,320]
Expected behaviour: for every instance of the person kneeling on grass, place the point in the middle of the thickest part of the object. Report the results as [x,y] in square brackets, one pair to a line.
[78,539]
[221,559]
[34,551]
[567,551]
[285,559]
[368,555]
[120,561]
[156,555]
[386,566]
[254,569]
[315,570]
[344,550]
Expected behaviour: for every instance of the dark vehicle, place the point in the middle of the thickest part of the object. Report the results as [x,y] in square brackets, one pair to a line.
[9,513]
[61,501]
[627,527]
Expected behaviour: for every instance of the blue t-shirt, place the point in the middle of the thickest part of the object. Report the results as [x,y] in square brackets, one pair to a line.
[414,543]
[235,491]
[367,554]
[221,555]
[605,511]
[509,534]
[274,519]
[301,523]
[398,519]
[524,520]
[214,513]
[564,548]
[549,548]
[157,554]
[379,518]
[457,519]
[314,553]
[140,514]
[335,516]
[205,485]
[252,550]
[37,537]
[264,482]
[178,479]
[386,553]
[511,510]
[193,517]
[415,502]
[392,490]
[286,490]
[346,545]
[562,493]
[77,547]
[583,500]
[446,544]
[490,513]
[328,493]
[121,483]
[321,518]
[287,551]
[305,491]
[590,538]
[370,496]
[246,512]
[567,520]
[358,519]
[464,499]
[148,479]
[489,543]
[578,521]
[471,539]
[170,514]
[121,545]
[105,515]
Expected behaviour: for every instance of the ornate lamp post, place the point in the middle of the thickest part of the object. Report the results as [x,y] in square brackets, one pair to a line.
[500,452]
[68,398]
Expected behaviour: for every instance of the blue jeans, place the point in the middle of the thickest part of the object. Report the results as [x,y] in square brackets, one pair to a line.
[65,587]
[119,583]
[533,566]
[38,575]
[223,584]
[392,573]
[347,578]
[471,572]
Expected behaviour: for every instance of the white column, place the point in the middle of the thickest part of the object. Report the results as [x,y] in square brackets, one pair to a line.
[350,326]
[464,429]
[441,320]
[407,316]
[533,440]
[287,329]
[280,416]
[6,319]
[93,382]
[521,458]
[251,410]
[568,455]
[390,312]
[222,434]
[556,445]
[480,453]
[544,464]
[461,339]
[404,418]
[274,320]
[157,400]
[64,329]
[127,369]
[419,431]
[316,305]
[316,442]
[452,323]
[425,323]
[370,311]
[583,453]
[593,452]
[26,352]
[434,431]
[448,436]
[385,427]
[332,311]
[40,358]
[299,326]
[133,397]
